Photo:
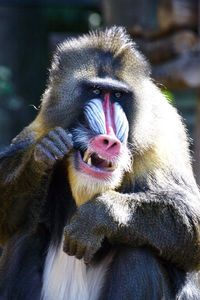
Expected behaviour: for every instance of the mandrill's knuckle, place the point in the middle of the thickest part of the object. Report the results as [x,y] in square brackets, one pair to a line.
[69,236]
[53,147]
[62,139]
[66,137]
[45,160]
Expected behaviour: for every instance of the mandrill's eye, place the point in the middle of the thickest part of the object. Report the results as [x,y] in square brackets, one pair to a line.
[96,91]
[117,95]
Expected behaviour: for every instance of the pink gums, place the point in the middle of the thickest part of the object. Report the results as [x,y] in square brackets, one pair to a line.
[92,171]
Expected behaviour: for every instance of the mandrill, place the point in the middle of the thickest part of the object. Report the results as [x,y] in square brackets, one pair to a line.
[97,196]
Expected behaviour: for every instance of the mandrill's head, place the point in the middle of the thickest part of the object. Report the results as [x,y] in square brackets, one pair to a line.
[100,90]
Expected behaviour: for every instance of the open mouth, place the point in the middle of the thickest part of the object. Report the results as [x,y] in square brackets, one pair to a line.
[93,159]
[91,163]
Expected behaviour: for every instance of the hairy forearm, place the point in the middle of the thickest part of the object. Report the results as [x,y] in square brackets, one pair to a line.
[22,184]
[26,168]
[168,222]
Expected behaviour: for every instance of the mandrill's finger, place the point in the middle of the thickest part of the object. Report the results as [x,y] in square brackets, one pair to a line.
[42,155]
[66,244]
[66,247]
[89,253]
[65,136]
[72,248]
[80,251]
[69,242]
[56,139]
[52,148]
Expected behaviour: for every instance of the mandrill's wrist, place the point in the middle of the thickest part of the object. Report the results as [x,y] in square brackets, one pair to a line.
[100,208]
[114,218]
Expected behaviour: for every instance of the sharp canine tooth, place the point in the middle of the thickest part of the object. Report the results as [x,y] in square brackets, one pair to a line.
[89,162]
[86,156]
[101,157]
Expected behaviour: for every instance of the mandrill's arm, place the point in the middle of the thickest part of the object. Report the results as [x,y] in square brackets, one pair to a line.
[166,221]
[25,172]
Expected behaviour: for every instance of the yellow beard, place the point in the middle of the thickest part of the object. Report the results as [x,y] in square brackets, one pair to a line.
[84,187]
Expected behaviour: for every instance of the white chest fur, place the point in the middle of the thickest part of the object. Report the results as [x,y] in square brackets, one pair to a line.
[67,278]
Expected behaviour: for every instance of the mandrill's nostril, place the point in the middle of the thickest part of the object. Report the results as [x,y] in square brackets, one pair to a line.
[106,144]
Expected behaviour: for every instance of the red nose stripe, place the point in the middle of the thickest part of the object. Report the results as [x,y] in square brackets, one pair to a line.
[109,112]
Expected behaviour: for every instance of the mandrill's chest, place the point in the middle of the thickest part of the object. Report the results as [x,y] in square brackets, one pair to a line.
[67,278]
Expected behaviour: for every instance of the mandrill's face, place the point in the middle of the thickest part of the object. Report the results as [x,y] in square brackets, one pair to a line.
[100,136]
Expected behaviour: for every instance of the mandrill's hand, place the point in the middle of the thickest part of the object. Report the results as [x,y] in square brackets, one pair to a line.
[53,147]
[84,235]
